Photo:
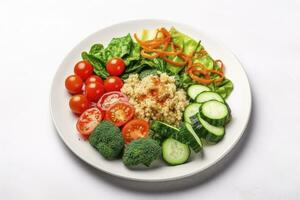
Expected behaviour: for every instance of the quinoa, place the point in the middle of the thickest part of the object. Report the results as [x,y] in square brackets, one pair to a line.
[156,97]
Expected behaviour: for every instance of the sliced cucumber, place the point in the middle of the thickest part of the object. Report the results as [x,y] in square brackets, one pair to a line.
[207,131]
[164,130]
[187,136]
[191,110]
[214,112]
[194,90]
[175,152]
[208,96]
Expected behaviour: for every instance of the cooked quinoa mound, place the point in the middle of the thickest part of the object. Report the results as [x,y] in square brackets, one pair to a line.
[155,97]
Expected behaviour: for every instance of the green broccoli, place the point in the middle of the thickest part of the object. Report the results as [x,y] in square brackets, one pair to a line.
[142,151]
[107,139]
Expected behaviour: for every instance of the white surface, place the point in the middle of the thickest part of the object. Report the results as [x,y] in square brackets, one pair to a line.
[239,101]
[36,35]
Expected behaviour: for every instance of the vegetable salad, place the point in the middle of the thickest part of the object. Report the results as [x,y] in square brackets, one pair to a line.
[109,121]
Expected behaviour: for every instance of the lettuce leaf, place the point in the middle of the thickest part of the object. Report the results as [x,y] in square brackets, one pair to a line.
[224,88]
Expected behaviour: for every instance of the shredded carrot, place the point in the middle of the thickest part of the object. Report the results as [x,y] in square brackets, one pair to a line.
[158,46]
[146,55]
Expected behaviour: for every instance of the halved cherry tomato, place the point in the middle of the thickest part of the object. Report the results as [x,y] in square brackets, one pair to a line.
[74,84]
[119,113]
[115,66]
[93,79]
[113,83]
[135,129]
[110,98]
[88,121]
[79,103]
[84,69]
[94,91]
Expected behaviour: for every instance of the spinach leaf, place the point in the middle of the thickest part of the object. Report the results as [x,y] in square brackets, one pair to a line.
[96,49]
[144,64]
[99,66]
[134,54]
[118,47]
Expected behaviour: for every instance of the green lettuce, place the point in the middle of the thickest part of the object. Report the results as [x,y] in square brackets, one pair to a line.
[122,47]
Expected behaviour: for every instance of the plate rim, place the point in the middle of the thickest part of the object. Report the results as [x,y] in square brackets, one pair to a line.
[163,21]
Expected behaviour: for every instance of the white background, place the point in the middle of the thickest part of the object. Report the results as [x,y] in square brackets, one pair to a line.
[36,35]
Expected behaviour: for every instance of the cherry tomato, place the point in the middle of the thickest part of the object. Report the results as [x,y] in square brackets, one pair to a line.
[79,103]
[88,121]
[115,66]
[135,129]
[93,79]
[83,69]
[110,98]
[113,83]
[94,91]
[119,113]
[74,84]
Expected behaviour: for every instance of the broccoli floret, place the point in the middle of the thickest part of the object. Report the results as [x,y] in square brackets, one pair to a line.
[142,151]
[107,139]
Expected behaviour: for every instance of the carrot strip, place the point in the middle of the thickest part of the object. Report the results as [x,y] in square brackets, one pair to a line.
[177,64]
[146,55]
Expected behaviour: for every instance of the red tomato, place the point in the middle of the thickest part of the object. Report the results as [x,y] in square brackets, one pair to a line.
[93,79]
[83,69]
[119,113]
[115,66]
[110,98]
[88,121]
[79,103]
[94,91]
[135,129]
[74,84]
[113,83]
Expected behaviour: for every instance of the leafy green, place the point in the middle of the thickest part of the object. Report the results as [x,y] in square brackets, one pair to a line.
[145,64]
[134,54]
[96,50]
[99,66]
[224,88]
[118,47]
[183,81]
[188,45]
[147,72]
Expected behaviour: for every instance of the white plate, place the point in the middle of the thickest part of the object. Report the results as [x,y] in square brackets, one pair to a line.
[239,101]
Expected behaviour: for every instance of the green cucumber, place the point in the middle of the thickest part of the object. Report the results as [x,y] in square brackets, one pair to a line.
[191,110]
[207,131]
[163,130]
[194,90]
[175,152]
[214,112]
[208,96]
[187,136]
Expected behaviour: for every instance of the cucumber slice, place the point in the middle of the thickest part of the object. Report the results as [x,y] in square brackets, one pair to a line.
[191,110]
[207,131]
[188,136]
[214,112]
[194,90]
[208,96]
[163,130]
[175,152]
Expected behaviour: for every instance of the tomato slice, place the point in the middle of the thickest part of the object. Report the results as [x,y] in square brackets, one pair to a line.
[88,121]
[119,113]
[110,98]
[135,129]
